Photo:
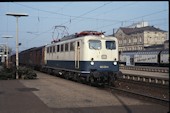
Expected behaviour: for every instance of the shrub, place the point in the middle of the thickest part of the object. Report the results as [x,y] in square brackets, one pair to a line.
[23,72]
[26,73]
[6,73]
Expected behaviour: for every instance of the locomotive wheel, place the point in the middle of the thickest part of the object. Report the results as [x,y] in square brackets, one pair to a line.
[66,75]
[78,79]
[91,80]
[111,80]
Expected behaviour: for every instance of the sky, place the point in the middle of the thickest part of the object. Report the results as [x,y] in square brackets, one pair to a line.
[39,28]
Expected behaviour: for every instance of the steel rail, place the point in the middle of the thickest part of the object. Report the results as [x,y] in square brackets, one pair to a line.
[161,101]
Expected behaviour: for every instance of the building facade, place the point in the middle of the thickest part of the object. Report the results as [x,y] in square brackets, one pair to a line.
[2,53]
[139,38]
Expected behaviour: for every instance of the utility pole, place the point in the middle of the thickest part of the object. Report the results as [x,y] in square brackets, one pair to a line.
[17,15]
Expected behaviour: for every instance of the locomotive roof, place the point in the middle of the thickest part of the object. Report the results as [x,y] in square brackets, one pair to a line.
[78,35]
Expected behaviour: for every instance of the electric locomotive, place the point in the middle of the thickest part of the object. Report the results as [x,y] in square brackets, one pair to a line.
[89,56]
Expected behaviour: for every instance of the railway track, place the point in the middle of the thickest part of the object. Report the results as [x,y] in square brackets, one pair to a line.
[155,93]
[146,68]
[141,96]
[146,79]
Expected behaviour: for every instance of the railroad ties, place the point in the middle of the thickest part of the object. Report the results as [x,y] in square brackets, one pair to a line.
[155,75]
[155,80]
[146,68]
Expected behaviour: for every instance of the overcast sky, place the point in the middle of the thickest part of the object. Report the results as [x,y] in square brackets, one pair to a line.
[38,28]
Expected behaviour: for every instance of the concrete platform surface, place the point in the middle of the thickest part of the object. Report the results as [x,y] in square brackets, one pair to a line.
[49,94]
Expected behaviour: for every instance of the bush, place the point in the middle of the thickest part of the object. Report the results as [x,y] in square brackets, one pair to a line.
[26,73]
[23,72]
[7,74]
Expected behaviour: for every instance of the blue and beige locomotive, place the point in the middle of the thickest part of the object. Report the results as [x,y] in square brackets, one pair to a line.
[89,56]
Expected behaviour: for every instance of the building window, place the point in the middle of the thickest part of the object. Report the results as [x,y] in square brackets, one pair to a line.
[140,39]
[124,41]
[121,42]
[135,40]
[129,41]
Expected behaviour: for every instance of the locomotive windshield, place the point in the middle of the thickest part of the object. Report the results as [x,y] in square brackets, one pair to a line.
[95,44]
[110,45]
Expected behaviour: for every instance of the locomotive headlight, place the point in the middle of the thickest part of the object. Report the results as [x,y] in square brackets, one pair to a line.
[115,63]
[92,63]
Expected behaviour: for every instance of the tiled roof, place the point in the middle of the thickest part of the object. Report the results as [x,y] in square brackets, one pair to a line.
[139,30]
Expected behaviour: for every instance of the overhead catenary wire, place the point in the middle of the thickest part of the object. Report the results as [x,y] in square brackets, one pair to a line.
[133,18]
[74,17]
[87,12]
[70,19]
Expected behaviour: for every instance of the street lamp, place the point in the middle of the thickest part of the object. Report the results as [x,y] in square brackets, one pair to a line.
[17,15]
[7,48]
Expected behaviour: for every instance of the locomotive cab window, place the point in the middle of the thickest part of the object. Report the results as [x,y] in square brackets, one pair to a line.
[95,44]
[110,45]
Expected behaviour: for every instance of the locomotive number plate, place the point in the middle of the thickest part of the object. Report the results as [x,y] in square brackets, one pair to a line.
[104,56]
[104,66]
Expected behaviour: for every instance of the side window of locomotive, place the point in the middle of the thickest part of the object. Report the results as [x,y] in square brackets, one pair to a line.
[48,50]
[62,47]
[72,46]
[110,45]
[95,44]
[53,49]
[66,47]
[78,44]
[58,48]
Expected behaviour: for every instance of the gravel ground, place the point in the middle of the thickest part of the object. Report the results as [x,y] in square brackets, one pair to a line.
[146,89]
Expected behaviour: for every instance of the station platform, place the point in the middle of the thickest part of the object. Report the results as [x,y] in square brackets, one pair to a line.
[50,94]
[16,98]
[145,73]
